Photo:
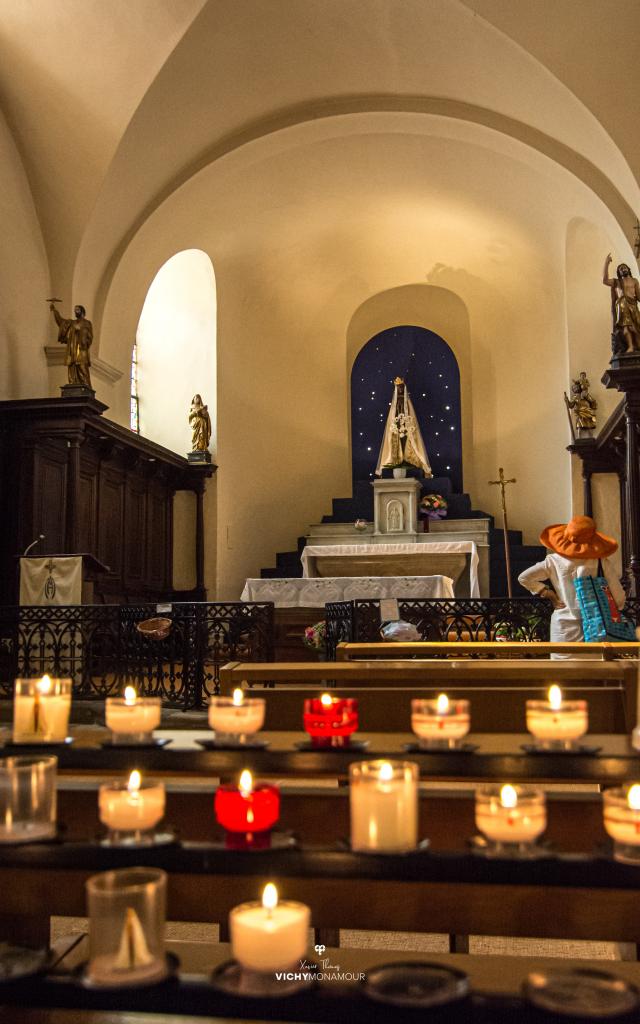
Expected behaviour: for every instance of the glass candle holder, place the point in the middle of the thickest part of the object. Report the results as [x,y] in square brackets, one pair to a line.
[27,798]
[247,812]
[383,798]
[440,723]
[511,818]
[330,721]
[270,935]
[132,719]
[621,816]
[41,710]
[131,810]
[235,719]
[126,927]
[557,724]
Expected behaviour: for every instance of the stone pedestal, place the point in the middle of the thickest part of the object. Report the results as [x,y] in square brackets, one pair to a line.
[395,510]
[202,457]
[76,391]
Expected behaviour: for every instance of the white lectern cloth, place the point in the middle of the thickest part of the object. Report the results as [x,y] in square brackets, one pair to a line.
[51,580]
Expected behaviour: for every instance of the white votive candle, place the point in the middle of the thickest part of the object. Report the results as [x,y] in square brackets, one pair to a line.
[557,721]
[132,718]
[440,722]
[621,815]
[41,710]
[236,717]
[383,797]
[131,809]
[511,815]
[271,935]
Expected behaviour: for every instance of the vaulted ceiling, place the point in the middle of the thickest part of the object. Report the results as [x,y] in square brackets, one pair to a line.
[114,105]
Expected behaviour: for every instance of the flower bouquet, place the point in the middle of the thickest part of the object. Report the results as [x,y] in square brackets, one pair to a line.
[433,506]
[315,638]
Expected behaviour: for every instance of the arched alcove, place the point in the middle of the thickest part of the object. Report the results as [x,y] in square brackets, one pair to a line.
[176,348]
[429,367]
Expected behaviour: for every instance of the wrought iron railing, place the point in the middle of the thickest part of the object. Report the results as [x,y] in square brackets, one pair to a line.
[101,650]
[484,618]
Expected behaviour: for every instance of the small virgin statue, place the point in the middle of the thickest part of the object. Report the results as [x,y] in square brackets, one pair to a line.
[200,423]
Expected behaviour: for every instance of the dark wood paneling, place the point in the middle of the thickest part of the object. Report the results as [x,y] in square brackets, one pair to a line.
[119,510]
[135,531]
[49,498]
[87,517]
[159,498]
[111,518]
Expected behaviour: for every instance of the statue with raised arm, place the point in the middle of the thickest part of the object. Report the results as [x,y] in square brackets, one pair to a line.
[625,295]
[77,335]
[200,423]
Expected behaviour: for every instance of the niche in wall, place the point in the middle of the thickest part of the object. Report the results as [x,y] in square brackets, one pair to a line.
[431,372]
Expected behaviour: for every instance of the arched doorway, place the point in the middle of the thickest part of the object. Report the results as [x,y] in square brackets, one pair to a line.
[431,371]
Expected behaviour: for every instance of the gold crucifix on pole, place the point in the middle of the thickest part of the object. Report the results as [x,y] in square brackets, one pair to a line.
[502,484]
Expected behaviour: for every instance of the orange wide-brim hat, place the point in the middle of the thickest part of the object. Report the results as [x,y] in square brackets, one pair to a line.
[578,539]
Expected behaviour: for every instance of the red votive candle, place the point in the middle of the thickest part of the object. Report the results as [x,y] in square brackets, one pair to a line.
[330,720]
[247,812]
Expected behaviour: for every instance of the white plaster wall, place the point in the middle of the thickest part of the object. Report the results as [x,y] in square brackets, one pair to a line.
[24,282]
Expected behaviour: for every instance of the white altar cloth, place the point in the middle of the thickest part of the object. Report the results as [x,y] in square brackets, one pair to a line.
[313,593]
[349,550]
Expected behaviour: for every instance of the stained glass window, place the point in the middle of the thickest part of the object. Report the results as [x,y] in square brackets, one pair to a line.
[135,400]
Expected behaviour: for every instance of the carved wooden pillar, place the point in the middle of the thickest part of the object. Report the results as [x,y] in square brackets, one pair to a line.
[624,536]
[199,489]
[632,420]
[624,375]
[588,497]
[73,495]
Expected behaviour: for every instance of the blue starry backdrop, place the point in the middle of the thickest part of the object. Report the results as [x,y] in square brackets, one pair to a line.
[430,369]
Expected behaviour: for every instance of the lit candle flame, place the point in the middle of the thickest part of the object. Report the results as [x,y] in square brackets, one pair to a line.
[386,771]
[633,797]
[326,700]
[246,783]
[508,796]
[270,898]
[135,781]
[555,697]
[44,685]
[442,704]
[238,697]
[130,695]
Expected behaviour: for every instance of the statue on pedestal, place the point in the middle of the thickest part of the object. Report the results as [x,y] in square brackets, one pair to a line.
[625,295]
[402,443]
[582,404]
[77,335]
[200,423]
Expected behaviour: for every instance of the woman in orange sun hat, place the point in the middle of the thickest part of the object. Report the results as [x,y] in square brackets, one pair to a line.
[575,548]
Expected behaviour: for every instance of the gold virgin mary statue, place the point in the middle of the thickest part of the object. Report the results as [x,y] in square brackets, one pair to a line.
[402,442]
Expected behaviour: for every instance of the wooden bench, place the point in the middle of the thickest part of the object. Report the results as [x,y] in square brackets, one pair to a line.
[485,649]
[496,688]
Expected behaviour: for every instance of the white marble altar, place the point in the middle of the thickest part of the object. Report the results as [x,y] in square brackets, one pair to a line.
[326,559]
[313,593]
[395,509]
[440,531]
